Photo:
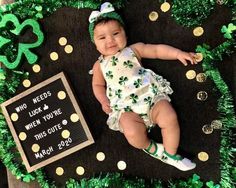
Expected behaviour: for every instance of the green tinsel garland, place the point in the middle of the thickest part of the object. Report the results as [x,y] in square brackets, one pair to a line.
[118,181]
[39,8]
[225,108]
[186,13]
[192,13]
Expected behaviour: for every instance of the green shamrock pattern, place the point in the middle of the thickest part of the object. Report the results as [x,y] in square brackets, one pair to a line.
[134,98]
[114,60]
[122,80]
[118,93]
[128,64]
[137,83]
[109,75]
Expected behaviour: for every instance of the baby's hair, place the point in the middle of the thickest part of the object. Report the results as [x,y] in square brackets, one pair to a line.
[106,20]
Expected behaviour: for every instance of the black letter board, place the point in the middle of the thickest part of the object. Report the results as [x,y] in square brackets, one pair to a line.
[46,122]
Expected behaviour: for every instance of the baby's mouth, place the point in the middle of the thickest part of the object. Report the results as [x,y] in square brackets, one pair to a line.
[113,46]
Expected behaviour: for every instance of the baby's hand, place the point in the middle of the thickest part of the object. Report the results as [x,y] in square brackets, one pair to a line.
[186,57]
[106,107]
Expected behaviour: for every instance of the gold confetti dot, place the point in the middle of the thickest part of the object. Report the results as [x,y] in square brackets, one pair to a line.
[65,134]
[14,116]
[36,68]
[100,156]
[91,72]
[201,77]
[190,74]
[62,41]
[54,56]
[198,31]
[59,171]
[80,170]
[35,148]
[220,2]
[198,57]
[207,129]
[26,83]
[203,156]
[61,95]
[202,95]
[22,136]
[64,122]
[216,124]
[74,117]
[121,165]
[165,7]
[68,49]
[153,16]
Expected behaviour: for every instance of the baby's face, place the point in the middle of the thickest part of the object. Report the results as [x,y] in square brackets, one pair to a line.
[109,37]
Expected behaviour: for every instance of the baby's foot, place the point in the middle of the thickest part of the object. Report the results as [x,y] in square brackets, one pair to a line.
[177,161]
[155,150]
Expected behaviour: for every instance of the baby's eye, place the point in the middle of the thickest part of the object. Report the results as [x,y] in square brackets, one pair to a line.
[116,33]
[101,38]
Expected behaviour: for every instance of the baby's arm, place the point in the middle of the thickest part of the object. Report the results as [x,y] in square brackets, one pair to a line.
[162,51]
[99,88]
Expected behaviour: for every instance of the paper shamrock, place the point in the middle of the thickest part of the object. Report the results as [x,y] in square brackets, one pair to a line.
[23,48]
[228,30]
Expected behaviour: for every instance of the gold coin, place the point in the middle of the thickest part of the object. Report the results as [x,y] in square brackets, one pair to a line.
[59,171]
[100,156]
[80,170]
[216,124]
[203,156]
[220,2]
[26,83]
[165,7]
[153,16]
[201,77]
[14,116]
[36,68]
[62,41]
[198,57]
[198,31]
[121,165]
[74,117]
[22,136]
[54,56]
[190,74]
[61,95]
[207,129]
[202,95]
[68,49]
[65,134]
[35,148]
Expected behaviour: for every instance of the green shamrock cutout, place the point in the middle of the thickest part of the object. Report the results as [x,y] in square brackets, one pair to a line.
[23,48]
[228,30]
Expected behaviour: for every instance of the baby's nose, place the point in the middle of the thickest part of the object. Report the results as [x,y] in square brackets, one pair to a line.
[110,39]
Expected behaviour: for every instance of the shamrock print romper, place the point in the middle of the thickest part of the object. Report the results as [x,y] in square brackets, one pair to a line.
[130,87]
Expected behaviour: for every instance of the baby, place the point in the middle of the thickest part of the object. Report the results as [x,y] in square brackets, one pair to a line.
[134,97]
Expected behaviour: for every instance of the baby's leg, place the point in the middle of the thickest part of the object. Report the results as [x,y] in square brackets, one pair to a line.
[165,116]
[134,130]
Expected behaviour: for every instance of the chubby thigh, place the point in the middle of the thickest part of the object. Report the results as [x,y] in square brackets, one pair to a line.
[131,123]
[162,112]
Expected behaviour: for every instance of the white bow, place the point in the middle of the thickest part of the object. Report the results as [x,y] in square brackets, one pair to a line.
[105,8]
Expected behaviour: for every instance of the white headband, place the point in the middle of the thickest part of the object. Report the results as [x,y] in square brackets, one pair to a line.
[105,8]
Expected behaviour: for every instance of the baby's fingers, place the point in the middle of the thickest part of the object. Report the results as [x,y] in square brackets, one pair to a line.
[184,62]
[193,57]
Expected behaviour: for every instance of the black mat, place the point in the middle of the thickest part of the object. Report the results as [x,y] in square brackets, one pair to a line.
[193,114]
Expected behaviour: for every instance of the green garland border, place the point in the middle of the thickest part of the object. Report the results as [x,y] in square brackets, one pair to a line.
[38,9]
